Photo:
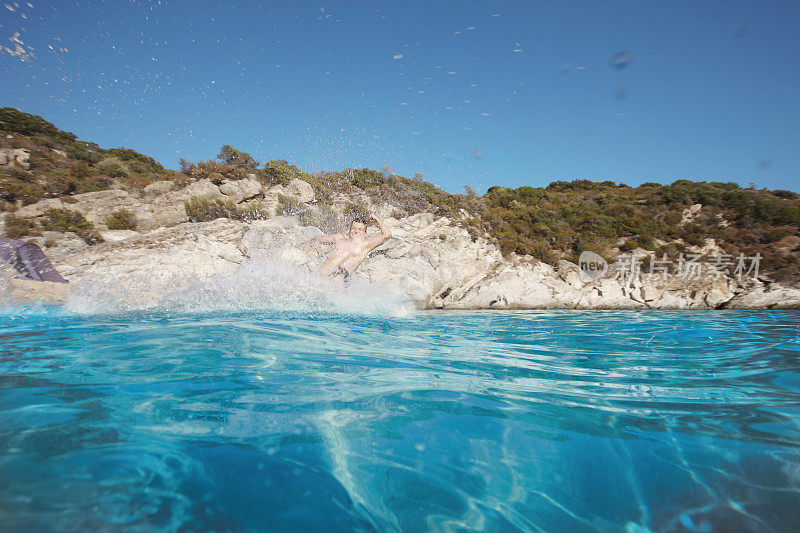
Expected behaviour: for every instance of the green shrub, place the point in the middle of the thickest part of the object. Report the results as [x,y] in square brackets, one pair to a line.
[86,152]
[65,220]
[672,218]
[92,184]
[280,172]
[121,219]
[583,185]
[16,121]
[17,227]
[136,162]
[229,155]
[79,170]
[203,210]
[322,193]
[112,167]
[366,178]
[250,212]
[217,172]
[62,182]
[354,212]
[12,189]
[180,180]
[69,220]
[289,206]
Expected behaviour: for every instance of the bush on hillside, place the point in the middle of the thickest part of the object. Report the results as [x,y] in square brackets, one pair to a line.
[229,155]
[203,210]
[68,220]
[289,206]
[112,167]
[121,219]
[15,121]
[17,227]
[279,172]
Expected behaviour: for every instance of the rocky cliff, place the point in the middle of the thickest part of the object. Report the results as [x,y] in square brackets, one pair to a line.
[432,260]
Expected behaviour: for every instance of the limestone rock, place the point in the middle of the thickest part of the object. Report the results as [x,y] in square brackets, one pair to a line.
[430,259]
[204,189]
[240,190]
[19,157]
[37,209]
[119,235]
[159,187]
[95,206]
[168,209]
[162,257]
[23,291]
[690,214]
[766,296]
[301,189]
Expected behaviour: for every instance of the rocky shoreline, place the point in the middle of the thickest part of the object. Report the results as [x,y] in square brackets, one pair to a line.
[431,260]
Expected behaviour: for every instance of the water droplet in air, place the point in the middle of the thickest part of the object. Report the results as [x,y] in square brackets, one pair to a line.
[621,60]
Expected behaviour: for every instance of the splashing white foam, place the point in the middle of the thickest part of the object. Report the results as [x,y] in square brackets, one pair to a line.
[263,282]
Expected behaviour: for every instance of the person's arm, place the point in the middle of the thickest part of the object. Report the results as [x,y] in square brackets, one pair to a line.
[384,236]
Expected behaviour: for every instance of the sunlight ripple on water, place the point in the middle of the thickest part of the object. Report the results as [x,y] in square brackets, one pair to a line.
[301,420]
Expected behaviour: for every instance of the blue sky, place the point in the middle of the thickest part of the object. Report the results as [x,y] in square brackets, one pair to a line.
[465,93]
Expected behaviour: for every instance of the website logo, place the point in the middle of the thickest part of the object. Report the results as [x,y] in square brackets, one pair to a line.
[592,266]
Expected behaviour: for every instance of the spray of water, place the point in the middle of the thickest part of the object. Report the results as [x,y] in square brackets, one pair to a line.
[263,282]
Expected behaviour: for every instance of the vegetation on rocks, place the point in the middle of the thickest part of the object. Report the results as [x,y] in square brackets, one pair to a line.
[204,210]
[18,227]
[62,220]
[289,206]
[231,156]
[548,223]
[68,220]
[566,218]
[62,165]
[121,219]
[279,172]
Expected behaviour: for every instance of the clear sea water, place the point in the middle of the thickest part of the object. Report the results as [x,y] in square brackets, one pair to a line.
[437,421]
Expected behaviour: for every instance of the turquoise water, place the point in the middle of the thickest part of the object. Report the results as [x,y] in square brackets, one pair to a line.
[278,421]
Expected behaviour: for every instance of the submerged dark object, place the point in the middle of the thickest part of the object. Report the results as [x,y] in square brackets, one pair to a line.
[29,260]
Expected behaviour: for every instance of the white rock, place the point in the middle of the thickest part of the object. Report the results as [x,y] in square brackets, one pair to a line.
[118,235]
[430,259]
[204,189]
[690,213]
[766,296]
[15,157]
[240,190]
[301,189]
[159,187]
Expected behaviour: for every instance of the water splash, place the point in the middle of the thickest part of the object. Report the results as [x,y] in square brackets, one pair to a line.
[264,282]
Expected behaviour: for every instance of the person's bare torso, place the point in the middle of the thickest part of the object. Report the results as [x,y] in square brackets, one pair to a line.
[347,254]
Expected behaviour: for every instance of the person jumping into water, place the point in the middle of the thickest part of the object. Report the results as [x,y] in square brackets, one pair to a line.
[350,250]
